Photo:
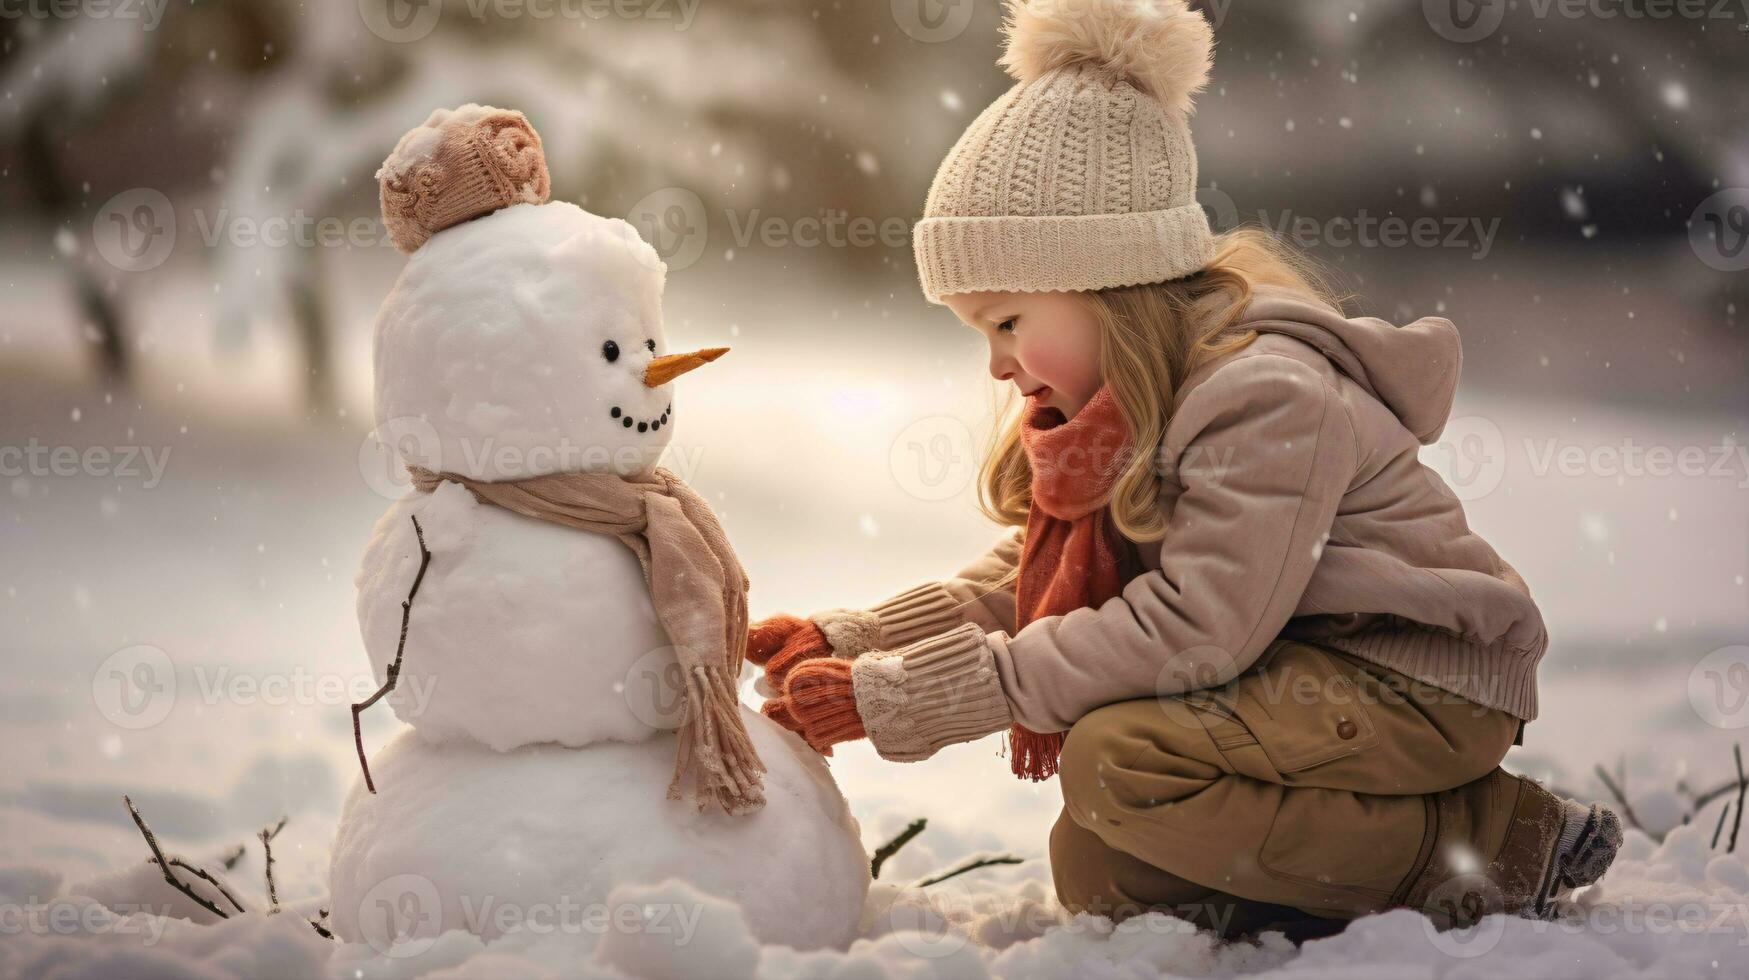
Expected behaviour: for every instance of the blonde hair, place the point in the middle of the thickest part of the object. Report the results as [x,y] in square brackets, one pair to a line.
[1152,337]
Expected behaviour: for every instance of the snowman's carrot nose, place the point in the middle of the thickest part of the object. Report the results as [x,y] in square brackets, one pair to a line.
[670,366]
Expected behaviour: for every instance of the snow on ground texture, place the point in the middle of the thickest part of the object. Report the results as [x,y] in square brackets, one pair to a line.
[1679,909]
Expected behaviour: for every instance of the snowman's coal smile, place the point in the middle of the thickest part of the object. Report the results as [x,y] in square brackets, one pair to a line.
[646,426]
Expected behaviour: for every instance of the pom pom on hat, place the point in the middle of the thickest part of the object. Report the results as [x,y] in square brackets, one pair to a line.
[459,165]
[1162,47]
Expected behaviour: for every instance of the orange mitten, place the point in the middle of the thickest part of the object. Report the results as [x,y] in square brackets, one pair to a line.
[819,704]
[779,643]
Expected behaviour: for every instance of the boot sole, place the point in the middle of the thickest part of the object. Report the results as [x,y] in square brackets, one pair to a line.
[1595,850]
[1585,864]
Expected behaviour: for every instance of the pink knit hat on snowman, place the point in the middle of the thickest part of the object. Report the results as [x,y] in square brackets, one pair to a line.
[460,164]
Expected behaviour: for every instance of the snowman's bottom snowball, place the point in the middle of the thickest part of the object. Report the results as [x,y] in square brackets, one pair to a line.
[460,836]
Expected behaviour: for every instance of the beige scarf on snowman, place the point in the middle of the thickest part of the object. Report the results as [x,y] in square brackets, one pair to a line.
[699,590]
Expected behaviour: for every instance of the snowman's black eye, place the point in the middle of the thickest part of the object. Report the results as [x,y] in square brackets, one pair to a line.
[650,344]
[610,350]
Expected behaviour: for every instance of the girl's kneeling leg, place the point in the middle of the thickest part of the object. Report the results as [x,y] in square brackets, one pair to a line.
[1093,877]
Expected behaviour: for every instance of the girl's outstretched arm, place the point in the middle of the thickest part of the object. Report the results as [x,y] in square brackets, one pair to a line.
[982,593]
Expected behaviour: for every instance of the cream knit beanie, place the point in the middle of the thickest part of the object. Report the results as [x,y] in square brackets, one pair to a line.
[1081,176]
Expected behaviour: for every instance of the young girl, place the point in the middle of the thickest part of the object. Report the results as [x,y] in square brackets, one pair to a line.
[1273,665]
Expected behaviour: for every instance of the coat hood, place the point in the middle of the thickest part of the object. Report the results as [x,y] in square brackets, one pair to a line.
[1413,369]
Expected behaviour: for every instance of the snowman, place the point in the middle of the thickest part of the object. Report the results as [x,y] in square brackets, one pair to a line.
[520,356]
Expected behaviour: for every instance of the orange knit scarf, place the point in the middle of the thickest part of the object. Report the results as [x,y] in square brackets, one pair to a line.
[1073,557]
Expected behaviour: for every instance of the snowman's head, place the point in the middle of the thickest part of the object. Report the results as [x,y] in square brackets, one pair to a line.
[527,341]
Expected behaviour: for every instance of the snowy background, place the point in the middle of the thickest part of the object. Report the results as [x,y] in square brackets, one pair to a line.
[177,602]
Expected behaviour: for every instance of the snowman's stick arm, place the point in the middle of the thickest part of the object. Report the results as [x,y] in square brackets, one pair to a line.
[394,671]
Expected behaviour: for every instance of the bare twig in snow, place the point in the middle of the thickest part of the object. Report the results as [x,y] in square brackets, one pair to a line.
[267,835]
[1719,827]
[394,670]
[235,856]
[1742,788]
[164,865]
[891,847]
[202,874]
[1700,800]
[973,865]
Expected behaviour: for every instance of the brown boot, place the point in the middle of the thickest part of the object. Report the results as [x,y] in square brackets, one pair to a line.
[1547,847]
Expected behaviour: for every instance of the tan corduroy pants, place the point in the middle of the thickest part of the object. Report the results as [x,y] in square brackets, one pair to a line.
[1314,787]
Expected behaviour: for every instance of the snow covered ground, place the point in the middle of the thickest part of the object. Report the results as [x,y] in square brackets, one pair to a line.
[187,637]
